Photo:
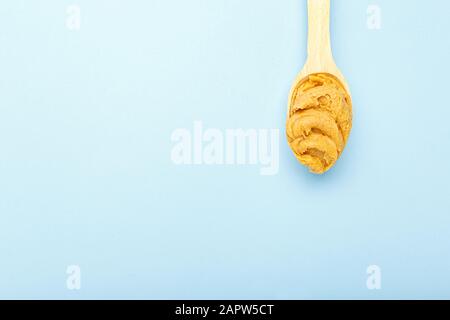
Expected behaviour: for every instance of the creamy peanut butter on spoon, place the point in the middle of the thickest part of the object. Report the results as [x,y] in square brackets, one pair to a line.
[320,107]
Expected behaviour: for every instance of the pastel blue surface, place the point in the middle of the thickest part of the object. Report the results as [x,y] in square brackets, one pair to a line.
[86,176]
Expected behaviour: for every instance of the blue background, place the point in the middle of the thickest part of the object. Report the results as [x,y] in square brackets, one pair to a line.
[86,176]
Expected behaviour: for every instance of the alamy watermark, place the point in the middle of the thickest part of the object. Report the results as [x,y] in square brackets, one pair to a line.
[373,17]
[374,277]
[73,281]
[73,18]
[211,146]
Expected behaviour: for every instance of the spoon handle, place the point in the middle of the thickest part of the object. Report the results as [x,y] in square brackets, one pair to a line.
[319,46]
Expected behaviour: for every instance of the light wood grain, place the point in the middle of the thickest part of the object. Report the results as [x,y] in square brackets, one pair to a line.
[320,56]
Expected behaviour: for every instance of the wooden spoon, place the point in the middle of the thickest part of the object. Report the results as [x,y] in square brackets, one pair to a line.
[320,108]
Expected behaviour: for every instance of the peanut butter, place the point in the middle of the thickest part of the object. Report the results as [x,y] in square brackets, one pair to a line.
[319,121]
